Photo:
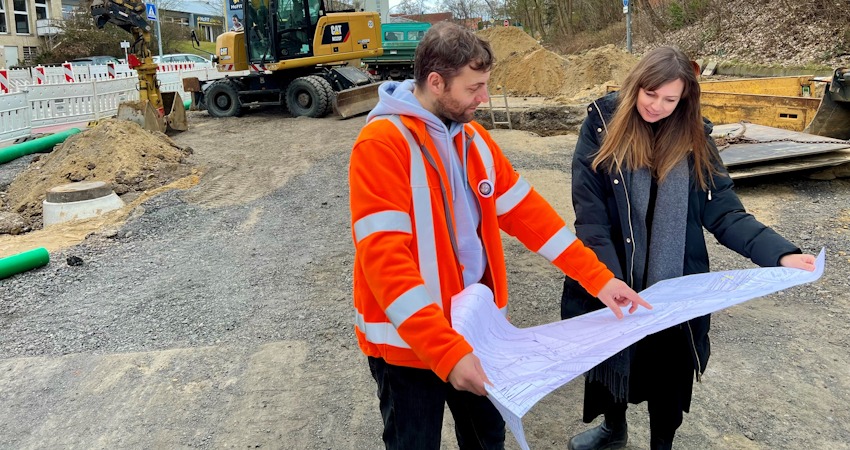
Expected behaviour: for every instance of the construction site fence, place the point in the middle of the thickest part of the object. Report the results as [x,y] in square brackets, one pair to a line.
[41,97]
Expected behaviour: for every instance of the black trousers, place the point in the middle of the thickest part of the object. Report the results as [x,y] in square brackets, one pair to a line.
[412,404]
[662,374]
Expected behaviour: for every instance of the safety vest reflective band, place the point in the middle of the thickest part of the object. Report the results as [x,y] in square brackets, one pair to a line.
[484,151]
[382,221]
[380,333]
[508,201]
[404,306]
[557,244]
[408,304]
[421,197]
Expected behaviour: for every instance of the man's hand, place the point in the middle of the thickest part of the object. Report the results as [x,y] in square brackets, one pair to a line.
[616,294]
[468,375]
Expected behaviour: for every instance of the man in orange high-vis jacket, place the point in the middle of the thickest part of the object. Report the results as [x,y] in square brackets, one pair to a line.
[430,192]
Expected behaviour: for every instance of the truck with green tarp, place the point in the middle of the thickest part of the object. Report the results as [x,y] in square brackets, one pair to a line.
[399,41]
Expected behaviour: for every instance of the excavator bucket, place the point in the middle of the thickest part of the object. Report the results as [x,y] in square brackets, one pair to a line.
[356,101]
[143,113]
[832,118]
[176,118]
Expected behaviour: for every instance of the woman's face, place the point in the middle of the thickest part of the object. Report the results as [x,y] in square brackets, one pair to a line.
[659,103]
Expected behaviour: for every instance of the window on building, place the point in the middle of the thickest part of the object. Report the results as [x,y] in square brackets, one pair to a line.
[3,28]
[29,55]
[40,9]
[178,20]
[22,23]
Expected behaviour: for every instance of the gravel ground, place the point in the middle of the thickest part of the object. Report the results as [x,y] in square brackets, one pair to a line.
[199,324]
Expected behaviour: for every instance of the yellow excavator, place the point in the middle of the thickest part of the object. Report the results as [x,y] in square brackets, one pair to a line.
[296,54]
[150,110]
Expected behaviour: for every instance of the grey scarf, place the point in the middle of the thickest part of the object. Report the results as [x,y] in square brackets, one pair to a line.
[665,255]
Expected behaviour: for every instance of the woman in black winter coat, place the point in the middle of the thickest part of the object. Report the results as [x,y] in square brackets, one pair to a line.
[646,180]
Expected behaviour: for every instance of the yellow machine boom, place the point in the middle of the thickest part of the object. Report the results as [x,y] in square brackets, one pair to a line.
[150,111]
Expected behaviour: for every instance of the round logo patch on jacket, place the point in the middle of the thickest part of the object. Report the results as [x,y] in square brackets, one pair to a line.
[485,188]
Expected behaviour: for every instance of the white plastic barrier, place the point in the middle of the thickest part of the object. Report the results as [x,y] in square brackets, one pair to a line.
[14,116]
[53,104]
[91,95]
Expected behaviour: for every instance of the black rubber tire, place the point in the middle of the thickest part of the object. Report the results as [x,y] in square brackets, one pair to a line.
[222,99]
[306,96]
[329,91]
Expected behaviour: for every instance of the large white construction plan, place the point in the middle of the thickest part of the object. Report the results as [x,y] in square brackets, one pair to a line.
[527,364]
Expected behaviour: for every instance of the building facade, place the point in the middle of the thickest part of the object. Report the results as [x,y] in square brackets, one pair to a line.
[24,26]
[27,25]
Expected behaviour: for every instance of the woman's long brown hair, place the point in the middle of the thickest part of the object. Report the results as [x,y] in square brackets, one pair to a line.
[632,143]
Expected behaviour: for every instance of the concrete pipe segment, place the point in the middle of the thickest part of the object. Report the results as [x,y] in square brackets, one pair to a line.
[43,145]
[22,262]
[80,200]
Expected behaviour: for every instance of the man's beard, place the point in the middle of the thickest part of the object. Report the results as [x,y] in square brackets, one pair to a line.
[450,109]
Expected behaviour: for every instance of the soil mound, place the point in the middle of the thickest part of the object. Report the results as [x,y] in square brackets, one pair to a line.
[588,74]
[119,152]
[539,73]
[507,41]
[524,68]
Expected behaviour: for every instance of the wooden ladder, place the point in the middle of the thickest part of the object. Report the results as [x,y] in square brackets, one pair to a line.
[504,95]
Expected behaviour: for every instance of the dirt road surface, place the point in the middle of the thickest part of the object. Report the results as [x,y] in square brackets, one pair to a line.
[219,316]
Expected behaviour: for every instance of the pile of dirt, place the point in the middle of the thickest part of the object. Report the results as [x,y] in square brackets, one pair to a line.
[508,41]
[119,152]
[539,73]
[524,68]
[588,74]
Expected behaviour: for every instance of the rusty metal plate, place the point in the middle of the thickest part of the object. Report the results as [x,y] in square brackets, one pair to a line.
[791,165]
[771,144]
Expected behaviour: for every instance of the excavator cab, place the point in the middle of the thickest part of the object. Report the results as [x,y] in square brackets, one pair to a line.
[281,29]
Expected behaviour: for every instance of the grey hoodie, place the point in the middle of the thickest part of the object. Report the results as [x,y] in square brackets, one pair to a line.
[397,98]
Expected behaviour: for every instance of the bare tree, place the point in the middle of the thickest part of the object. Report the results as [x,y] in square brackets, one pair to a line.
[464,9]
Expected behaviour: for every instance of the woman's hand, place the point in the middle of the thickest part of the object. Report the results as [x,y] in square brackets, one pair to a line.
[798,261]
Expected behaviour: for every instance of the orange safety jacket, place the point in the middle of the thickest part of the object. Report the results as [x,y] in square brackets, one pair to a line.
[406,267]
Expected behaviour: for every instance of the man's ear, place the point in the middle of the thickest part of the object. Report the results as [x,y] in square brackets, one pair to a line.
[435,83]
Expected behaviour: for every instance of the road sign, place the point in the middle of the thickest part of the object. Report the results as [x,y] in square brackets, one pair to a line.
[152,11]
[125,44]
[625,3]
[507,23]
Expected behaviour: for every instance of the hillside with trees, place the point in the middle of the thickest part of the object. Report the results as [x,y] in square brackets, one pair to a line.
[788,33]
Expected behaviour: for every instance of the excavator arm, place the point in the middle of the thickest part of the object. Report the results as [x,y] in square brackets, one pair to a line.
[130,16]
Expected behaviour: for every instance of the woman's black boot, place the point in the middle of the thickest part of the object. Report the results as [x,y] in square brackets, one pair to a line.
[605,436]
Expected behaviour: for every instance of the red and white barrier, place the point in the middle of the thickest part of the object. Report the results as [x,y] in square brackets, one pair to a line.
[40,76]
[4,81]
[69,72]
[175,67]
[110,70]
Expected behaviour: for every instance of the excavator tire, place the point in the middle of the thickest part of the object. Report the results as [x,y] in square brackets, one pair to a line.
[306,96]
[222,99]
[329,91]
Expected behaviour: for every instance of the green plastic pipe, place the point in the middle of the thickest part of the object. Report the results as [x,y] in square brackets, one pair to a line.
[23,261]
[187,104]
[42,145]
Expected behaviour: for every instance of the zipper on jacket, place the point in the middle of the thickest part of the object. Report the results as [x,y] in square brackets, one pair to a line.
[446,205]
[709,195]
[696,355]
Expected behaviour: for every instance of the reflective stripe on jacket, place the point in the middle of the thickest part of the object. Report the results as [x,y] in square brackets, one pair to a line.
[406,268]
